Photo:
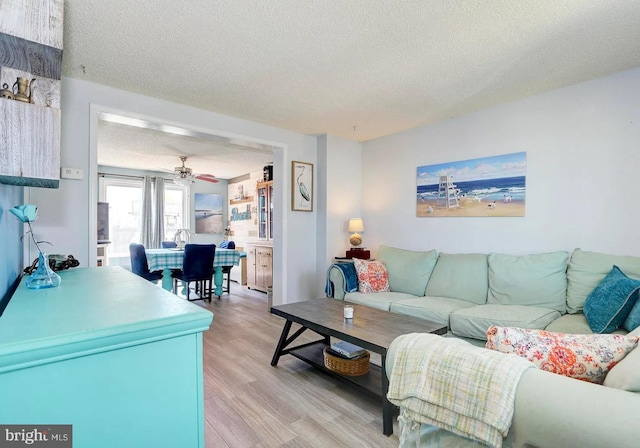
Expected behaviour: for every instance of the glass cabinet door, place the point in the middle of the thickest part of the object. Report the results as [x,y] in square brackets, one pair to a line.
[270,202]
[262,212]
[265,210]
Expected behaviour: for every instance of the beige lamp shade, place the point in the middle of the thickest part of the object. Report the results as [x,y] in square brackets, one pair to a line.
[355,225]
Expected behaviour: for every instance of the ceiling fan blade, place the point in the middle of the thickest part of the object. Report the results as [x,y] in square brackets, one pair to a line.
[207,178]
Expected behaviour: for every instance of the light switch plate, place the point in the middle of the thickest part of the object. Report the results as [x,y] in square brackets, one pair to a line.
[71,173]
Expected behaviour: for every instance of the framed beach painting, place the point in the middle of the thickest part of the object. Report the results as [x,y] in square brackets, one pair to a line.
[301,186]
[488,186]
[208,211]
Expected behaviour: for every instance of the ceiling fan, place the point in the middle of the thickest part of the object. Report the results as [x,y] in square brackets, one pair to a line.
[185,176]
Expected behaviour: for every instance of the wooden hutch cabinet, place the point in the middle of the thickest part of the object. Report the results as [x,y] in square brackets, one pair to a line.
[260,257]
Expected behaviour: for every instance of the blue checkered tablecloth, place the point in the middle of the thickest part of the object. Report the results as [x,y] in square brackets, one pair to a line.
[160,259]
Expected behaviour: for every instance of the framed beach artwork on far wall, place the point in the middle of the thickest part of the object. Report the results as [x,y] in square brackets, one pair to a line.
[301,186]
[488,186]
[208,211]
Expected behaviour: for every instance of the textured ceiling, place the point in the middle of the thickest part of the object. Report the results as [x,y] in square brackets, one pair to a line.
[358,69]
[127,146]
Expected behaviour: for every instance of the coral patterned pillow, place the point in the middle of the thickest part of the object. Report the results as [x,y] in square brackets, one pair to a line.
[586,357]
[372,276]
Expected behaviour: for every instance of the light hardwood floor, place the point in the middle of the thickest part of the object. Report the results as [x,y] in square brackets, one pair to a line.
[249,403]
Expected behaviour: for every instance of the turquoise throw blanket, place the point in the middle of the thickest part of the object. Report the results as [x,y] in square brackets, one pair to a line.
[348,271]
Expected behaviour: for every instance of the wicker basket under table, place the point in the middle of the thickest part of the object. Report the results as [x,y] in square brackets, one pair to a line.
[349,367]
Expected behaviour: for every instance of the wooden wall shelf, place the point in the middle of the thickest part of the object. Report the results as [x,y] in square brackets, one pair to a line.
[241,201]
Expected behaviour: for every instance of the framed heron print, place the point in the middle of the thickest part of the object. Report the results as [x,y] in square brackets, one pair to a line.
[301,186]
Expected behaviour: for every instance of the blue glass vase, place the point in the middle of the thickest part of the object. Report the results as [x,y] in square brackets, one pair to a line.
[43,277]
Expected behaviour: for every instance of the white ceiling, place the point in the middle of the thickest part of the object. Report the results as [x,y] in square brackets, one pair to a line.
[358,69]
[137,144]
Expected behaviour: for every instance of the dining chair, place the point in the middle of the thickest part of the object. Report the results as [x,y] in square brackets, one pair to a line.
[168,244]
[226,270]
[197,266]
[139,264]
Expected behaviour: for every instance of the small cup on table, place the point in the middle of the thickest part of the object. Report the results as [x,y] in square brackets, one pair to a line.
[348,311]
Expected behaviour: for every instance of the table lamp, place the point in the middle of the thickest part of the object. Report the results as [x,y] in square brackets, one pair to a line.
[355,226]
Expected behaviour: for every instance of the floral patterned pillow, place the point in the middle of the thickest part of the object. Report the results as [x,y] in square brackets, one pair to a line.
[372,276]
[586,357]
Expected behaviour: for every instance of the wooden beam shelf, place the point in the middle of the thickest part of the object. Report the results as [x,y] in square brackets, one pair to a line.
[241,201]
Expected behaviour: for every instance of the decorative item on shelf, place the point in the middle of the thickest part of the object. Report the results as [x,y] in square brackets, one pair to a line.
[267,173]
[181,238]
[6,93]
[356,225]
[25,90]
[43,277]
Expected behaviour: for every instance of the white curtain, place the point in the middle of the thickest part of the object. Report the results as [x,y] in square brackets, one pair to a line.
[158,227]
[146,233]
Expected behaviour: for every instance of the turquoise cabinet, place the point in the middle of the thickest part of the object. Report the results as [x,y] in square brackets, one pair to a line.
[112,354]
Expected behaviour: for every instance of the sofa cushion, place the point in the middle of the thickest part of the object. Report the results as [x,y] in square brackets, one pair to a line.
[372,276]
[460,276]
[435,309]
[609,304]
[409,271]
[536,279]
[570,323]
[380,300]
[587,269]
[633,319]
[574,324]
[626,374]
[474,322]
[586,357]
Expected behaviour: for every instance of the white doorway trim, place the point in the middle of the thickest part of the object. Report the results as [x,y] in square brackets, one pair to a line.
[96,112]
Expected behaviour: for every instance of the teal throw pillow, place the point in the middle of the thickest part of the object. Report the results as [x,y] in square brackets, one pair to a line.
[633,319]
[609,304]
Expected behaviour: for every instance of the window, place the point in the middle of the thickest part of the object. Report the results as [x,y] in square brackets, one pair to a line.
[124,195]
[175,210]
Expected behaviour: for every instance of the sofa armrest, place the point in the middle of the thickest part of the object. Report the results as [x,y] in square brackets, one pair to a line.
[553,411]
[337,279]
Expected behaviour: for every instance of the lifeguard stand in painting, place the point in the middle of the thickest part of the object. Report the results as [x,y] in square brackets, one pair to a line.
[447,192]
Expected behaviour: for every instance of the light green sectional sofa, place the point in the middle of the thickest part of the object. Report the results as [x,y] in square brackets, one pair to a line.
[554,411]
[471,292]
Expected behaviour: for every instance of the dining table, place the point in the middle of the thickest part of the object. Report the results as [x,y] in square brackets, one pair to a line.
[167,259]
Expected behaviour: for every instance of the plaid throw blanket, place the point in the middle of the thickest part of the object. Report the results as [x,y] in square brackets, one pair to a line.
[456,386]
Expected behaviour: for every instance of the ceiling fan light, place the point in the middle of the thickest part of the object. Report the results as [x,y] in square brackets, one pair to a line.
[182,181]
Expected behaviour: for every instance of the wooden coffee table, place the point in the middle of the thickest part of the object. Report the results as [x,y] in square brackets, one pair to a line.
[371,329]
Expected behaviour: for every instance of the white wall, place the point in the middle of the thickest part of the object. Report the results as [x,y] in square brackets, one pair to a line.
[343,188]
[583,187]
[339,197]
[64,212]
